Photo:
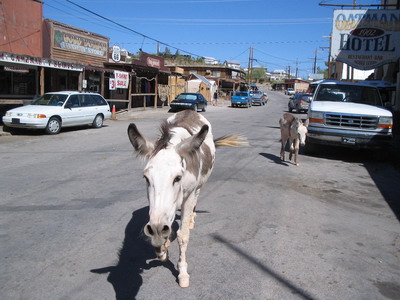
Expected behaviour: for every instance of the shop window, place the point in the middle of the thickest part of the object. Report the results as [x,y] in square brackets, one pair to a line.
[93,83]
[5,83]
[17,83]
[217,73]
[62,82]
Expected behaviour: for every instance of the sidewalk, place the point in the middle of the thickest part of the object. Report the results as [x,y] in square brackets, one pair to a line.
[140,112]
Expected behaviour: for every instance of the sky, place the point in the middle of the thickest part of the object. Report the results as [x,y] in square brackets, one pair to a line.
[282,33]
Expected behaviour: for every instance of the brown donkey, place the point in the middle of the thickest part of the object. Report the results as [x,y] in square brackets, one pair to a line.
[295,131]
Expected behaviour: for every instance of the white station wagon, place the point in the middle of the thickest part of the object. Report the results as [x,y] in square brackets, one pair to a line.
[57,110]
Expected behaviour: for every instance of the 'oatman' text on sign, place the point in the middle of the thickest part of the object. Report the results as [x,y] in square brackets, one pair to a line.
[366,39]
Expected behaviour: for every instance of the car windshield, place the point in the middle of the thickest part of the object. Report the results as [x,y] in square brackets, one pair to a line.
[51,100]
[256,93]
[186,97]
[349,93]
[240,94]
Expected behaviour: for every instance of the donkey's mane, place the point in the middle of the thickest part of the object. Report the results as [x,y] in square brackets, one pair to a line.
[166,134]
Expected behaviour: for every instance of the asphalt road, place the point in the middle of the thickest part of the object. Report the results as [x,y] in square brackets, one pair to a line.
[73,206]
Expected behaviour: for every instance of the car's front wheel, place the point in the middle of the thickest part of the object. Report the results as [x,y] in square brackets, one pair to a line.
[98,121]
[53,126]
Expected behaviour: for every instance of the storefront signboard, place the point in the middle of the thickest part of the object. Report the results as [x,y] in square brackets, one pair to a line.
[121,79]
[38,61]
[366,39]
[67,40]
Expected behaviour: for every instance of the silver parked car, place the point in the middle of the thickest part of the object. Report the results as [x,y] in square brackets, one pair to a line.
[299,102]
[57,110]
[257,97]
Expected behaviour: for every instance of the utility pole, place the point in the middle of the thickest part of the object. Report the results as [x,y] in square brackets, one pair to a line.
[315,62]
[297,68]
[250,66]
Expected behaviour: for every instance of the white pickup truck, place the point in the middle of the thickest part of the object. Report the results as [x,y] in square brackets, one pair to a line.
[348,114]
[290,92]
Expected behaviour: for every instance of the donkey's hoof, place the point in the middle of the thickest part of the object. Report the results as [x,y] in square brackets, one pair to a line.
[163,256]
[183,281]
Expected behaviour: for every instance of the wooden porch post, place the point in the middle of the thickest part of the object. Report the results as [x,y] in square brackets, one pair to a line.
[156,92]
[130,92]
[41,83]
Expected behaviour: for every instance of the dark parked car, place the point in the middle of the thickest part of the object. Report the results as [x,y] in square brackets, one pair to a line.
[257,97]
[193,101]
[299,102]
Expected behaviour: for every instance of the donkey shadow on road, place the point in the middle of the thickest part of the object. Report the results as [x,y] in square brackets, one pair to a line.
[275,159]
[126,277]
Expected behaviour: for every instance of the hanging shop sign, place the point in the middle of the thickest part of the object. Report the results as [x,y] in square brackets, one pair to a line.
[366,39]
[38,61]
[67,40]
[116,53]
[111,84]
[153,62]
[121,79]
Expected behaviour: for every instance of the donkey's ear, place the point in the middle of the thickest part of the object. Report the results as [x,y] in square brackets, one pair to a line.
[142,146]
[193,143]
[306,123]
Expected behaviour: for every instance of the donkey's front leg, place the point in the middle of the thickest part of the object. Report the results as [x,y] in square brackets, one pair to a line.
[296,150]
[283,144]
[193,215]
[291,151]
[183,239]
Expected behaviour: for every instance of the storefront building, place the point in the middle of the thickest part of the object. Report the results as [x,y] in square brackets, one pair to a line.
[22,77]
[228,79]
[149,85]
[64,42]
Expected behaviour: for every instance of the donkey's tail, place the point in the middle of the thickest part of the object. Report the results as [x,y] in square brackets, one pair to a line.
[232,140]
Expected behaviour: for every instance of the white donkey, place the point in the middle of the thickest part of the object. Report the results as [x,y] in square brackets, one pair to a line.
[295,131]
[178,166]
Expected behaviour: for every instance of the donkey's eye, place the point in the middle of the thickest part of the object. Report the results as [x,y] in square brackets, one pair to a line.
[177,179]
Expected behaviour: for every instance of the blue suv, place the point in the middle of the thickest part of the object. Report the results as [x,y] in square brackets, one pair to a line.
[241,99]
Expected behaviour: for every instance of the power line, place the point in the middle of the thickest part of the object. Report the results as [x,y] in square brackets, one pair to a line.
[131,30]
[236,43]
[84,19]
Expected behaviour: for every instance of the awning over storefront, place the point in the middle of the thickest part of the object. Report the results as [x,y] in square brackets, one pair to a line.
[16,59]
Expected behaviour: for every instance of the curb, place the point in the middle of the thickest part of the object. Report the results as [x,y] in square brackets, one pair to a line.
[2,133]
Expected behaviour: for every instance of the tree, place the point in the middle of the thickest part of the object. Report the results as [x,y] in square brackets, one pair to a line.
[258,74]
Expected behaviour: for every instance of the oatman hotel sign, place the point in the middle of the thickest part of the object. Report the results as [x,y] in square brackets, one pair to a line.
[366,39]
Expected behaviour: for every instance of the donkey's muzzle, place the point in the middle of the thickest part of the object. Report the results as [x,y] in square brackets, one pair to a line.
[158,233]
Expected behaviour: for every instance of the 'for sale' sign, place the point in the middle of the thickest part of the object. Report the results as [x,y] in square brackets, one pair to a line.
[121,79]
